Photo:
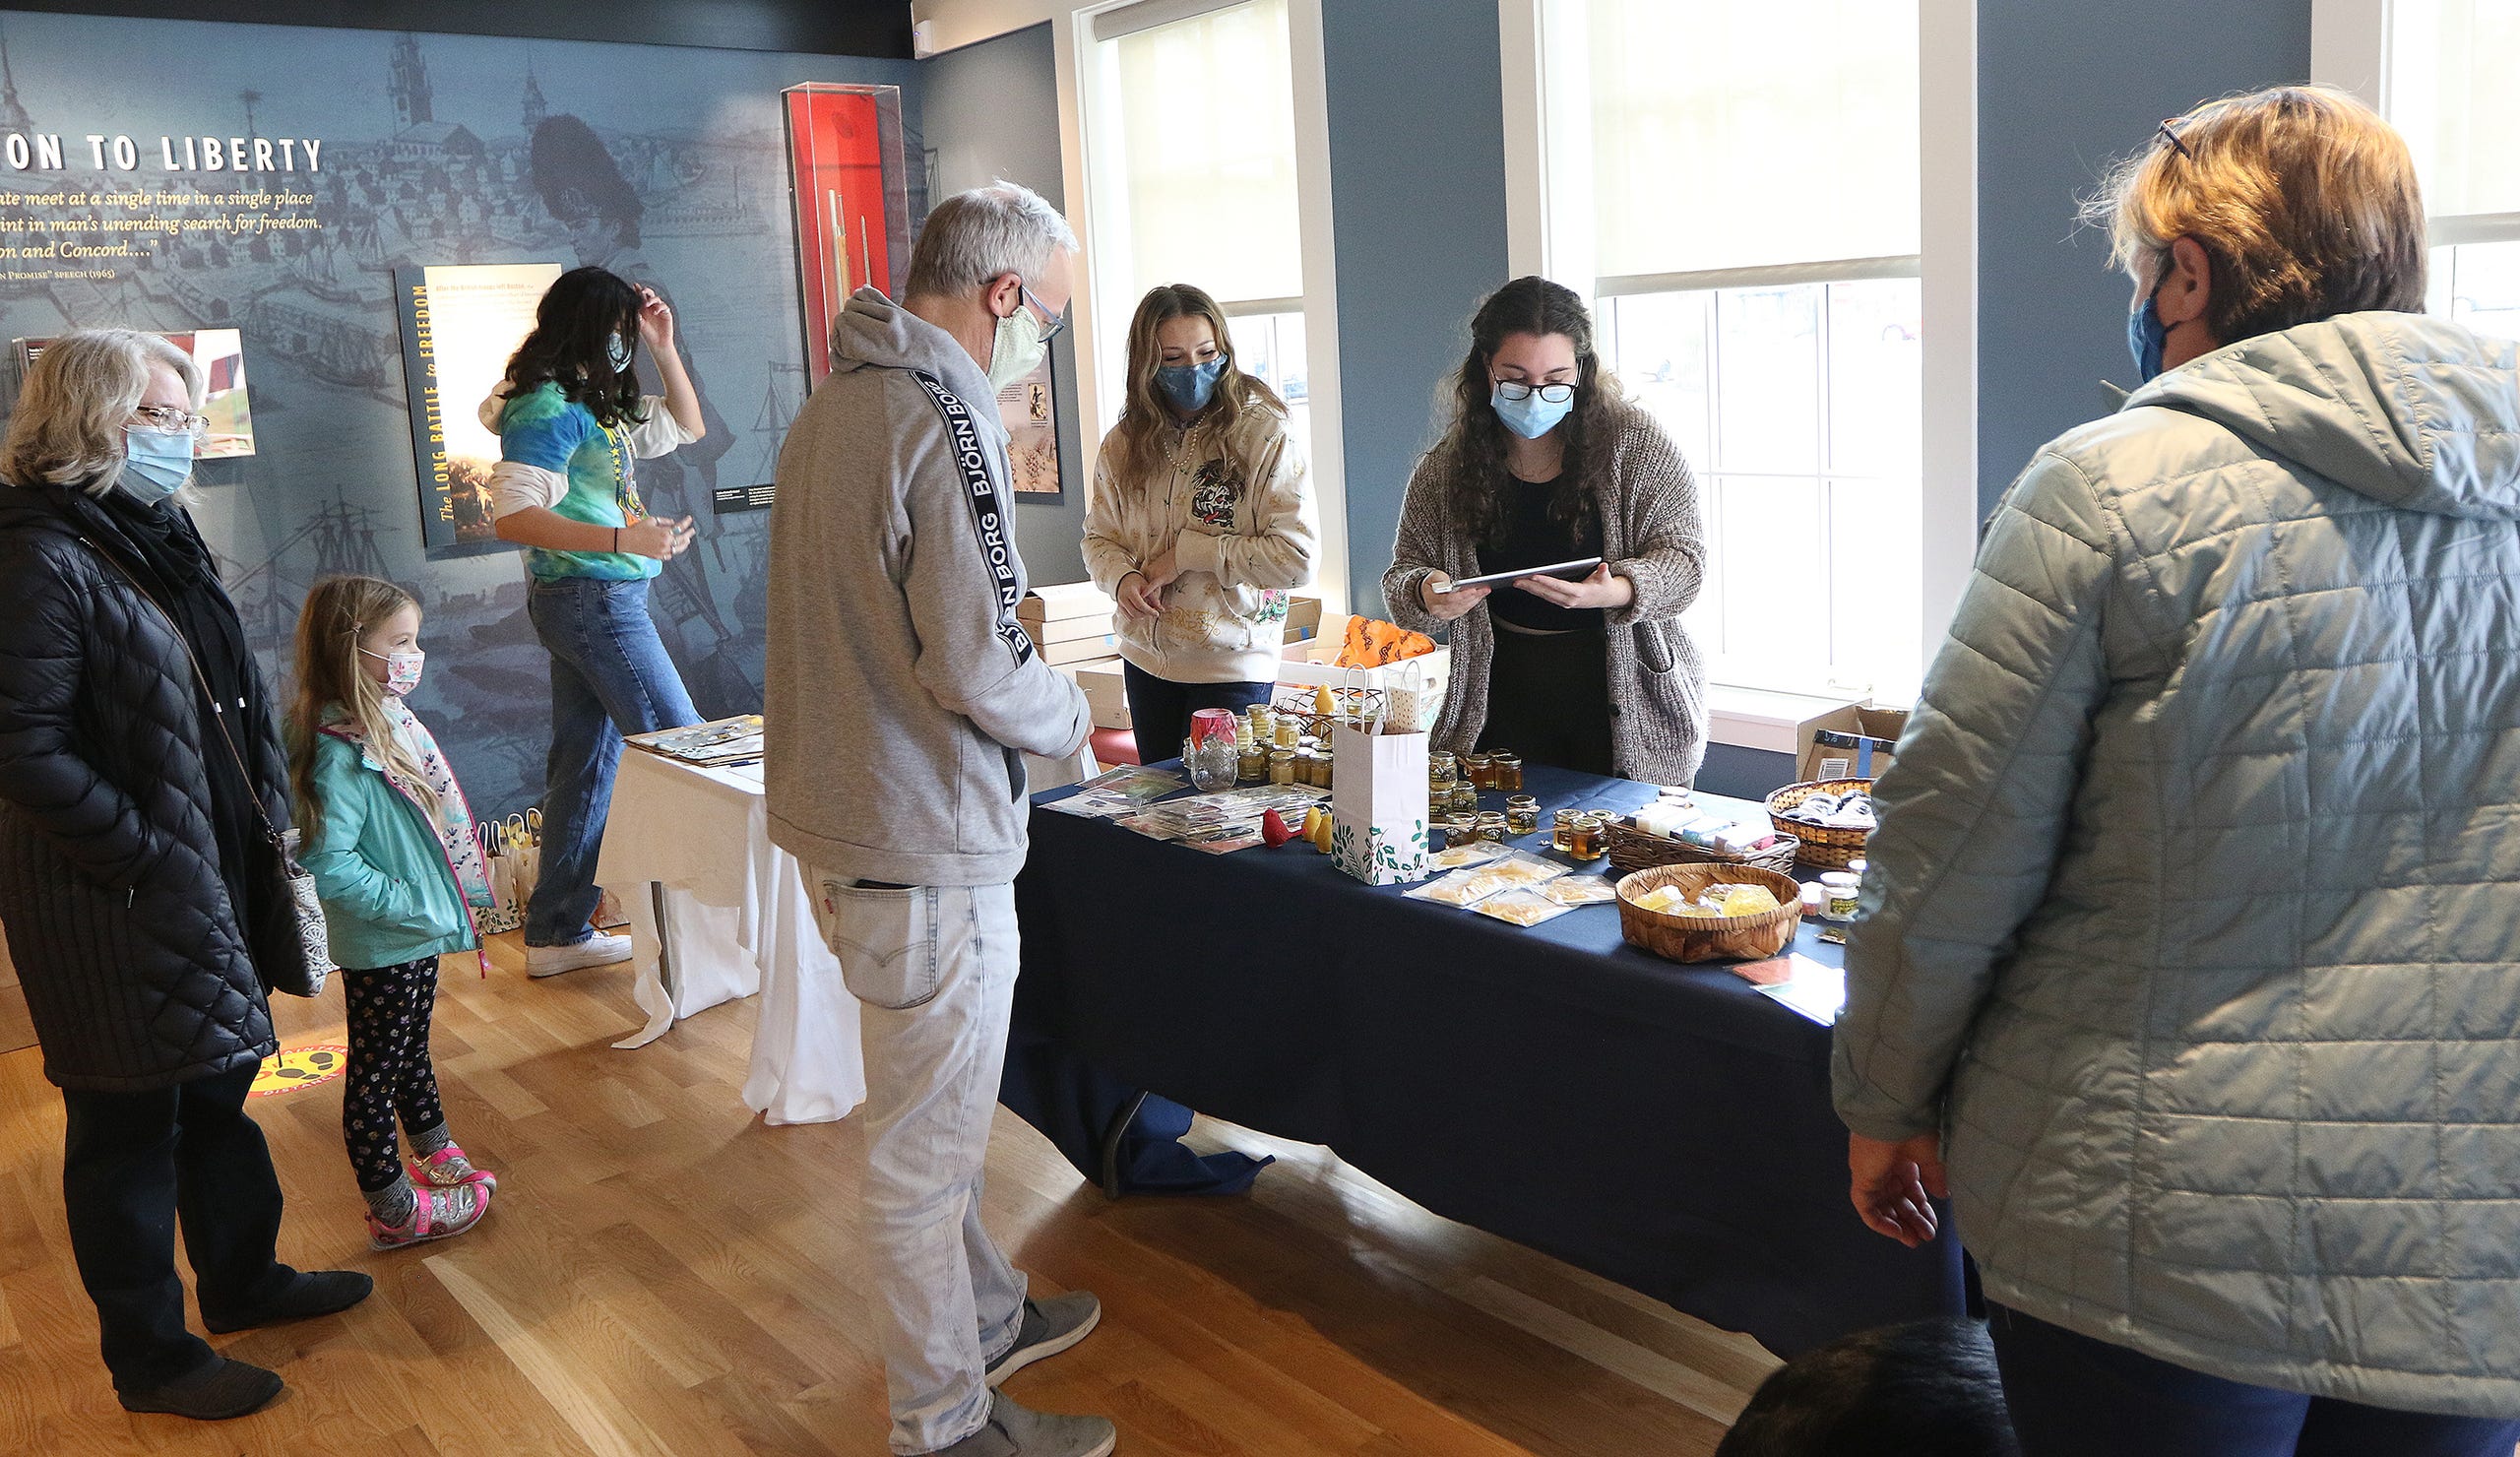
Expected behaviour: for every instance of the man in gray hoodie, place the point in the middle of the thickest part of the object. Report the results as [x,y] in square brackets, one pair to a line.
[903,697]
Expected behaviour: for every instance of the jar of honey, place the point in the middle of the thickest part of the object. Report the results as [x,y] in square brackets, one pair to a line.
[1592,838]
[1522,815]
[1252,763]
[1282,766]
[1465,798]
[1491,826]
[1474,768]
[1443,771]
[1563,840]
[1460,830]
[1505,771]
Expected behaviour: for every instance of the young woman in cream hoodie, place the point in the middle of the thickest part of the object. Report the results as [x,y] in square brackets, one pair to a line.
[1201,521]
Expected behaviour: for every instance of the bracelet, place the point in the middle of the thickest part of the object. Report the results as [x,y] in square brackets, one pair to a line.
[616,540]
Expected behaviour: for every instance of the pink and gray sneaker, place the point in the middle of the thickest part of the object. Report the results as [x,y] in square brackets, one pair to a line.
[436,1213]
[447,1169]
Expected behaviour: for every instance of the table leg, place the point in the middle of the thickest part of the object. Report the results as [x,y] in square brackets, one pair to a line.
[1112,1133]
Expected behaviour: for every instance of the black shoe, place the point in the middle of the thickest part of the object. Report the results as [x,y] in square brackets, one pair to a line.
[216,1392]
[314,1293]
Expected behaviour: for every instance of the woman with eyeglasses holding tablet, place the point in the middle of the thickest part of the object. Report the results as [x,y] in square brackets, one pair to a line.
[1547,463]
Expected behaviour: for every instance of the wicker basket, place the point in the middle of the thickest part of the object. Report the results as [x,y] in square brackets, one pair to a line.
[1695,938]
[1632,849]
[1832,849]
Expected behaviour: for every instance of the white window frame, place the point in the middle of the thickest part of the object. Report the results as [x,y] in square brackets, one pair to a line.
[1101,324]
[2349,47]
[1549,230]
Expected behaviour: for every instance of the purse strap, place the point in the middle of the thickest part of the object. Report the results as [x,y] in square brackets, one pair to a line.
[210,695]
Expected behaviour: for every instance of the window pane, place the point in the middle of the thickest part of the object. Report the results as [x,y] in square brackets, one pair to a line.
[2450,72]
[1876,587]
[1206,116]
[1270,349]
[1732,134]
[1767,362]
[1877,378]
[1657,350]
[2479,285]
[1775,561]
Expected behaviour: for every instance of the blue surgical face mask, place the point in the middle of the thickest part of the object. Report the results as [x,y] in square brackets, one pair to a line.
[617,350]
[1529,412]
[156,464]
[1190,386]
[2146,337]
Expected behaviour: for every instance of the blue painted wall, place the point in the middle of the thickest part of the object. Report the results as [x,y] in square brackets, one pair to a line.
[991,110]
[2062,89]
[1418,192]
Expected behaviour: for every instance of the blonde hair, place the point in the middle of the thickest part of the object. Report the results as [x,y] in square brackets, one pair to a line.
[1143,413]
[340,614]
[67,428]
[2304,201]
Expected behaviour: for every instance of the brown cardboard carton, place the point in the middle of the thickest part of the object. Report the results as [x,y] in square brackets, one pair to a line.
[1836,744]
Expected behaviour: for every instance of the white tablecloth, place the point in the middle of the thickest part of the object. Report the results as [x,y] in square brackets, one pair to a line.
[694,844]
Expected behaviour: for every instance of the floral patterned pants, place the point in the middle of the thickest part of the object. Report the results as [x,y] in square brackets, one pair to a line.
[389,1072]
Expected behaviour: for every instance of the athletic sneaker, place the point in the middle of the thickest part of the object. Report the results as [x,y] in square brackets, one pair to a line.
[594,951]
[436,1213]
[1017,1431]
[1049,1327]
[448,1167]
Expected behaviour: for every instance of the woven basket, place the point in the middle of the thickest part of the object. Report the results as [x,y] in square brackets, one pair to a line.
[1832,849]
[1695,938]
[1632,849]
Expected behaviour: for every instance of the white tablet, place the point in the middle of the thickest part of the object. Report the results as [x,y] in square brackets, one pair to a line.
[1569,570]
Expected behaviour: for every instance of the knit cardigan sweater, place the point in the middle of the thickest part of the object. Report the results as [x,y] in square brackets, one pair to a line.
[1650,534]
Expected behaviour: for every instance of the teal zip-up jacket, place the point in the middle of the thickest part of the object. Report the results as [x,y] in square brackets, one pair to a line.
[389,895]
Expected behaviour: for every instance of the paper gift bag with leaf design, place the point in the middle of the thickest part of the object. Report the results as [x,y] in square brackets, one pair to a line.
[1378,803]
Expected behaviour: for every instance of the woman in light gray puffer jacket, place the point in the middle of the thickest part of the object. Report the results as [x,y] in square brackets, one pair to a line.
[2191,937]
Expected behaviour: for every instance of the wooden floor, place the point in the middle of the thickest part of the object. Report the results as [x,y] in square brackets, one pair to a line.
[661,1274]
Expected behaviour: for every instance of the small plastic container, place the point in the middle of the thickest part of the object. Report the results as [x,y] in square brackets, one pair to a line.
[1842,888]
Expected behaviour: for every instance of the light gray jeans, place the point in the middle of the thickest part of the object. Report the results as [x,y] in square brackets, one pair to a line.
[933,969]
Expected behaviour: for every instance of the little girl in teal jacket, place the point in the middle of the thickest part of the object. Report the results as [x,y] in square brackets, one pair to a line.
[390,844]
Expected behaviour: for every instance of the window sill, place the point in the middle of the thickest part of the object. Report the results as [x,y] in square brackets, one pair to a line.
[1758,719]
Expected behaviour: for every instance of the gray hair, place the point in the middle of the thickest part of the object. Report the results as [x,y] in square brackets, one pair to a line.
[977,235]
[67,428]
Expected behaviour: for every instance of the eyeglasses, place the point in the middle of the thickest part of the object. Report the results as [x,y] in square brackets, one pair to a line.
[2173,138]
[1058,321]
[1514,389]
[167,419]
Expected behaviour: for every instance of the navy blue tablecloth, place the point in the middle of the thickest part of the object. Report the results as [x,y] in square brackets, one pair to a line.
[1662,1125]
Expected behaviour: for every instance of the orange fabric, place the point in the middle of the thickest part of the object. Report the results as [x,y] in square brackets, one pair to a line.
[1373,643]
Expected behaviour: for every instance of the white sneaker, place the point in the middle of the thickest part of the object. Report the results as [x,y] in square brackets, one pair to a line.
[594,951]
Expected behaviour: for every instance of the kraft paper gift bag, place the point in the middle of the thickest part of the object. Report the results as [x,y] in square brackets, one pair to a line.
[1378,803]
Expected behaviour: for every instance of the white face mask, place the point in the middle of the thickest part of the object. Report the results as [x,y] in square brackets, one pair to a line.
[1019,348]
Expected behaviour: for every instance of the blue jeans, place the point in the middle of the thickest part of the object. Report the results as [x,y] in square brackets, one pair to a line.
[609,677]
[2072,1396]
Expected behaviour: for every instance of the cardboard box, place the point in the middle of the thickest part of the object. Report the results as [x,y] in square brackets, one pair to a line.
[1083,649]
[1840,743]
[1105,692]
[1303,619]
[1068,629]
[1060,602]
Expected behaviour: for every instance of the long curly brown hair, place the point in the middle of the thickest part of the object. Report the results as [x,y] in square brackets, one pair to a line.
[1144,415]
[1473,445]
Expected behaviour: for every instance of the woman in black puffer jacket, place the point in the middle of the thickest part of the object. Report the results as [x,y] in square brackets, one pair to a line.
[128,869]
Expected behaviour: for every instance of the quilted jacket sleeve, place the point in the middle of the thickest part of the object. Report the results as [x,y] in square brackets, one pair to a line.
[1667,543]
[42,645]
[1975,808]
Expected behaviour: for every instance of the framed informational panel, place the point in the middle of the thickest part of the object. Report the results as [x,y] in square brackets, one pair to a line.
[852,193]
[461,322]
[221,353]
[1029,408]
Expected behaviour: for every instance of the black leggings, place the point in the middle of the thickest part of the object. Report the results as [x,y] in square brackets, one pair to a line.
[390,1070]
[1549,700]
